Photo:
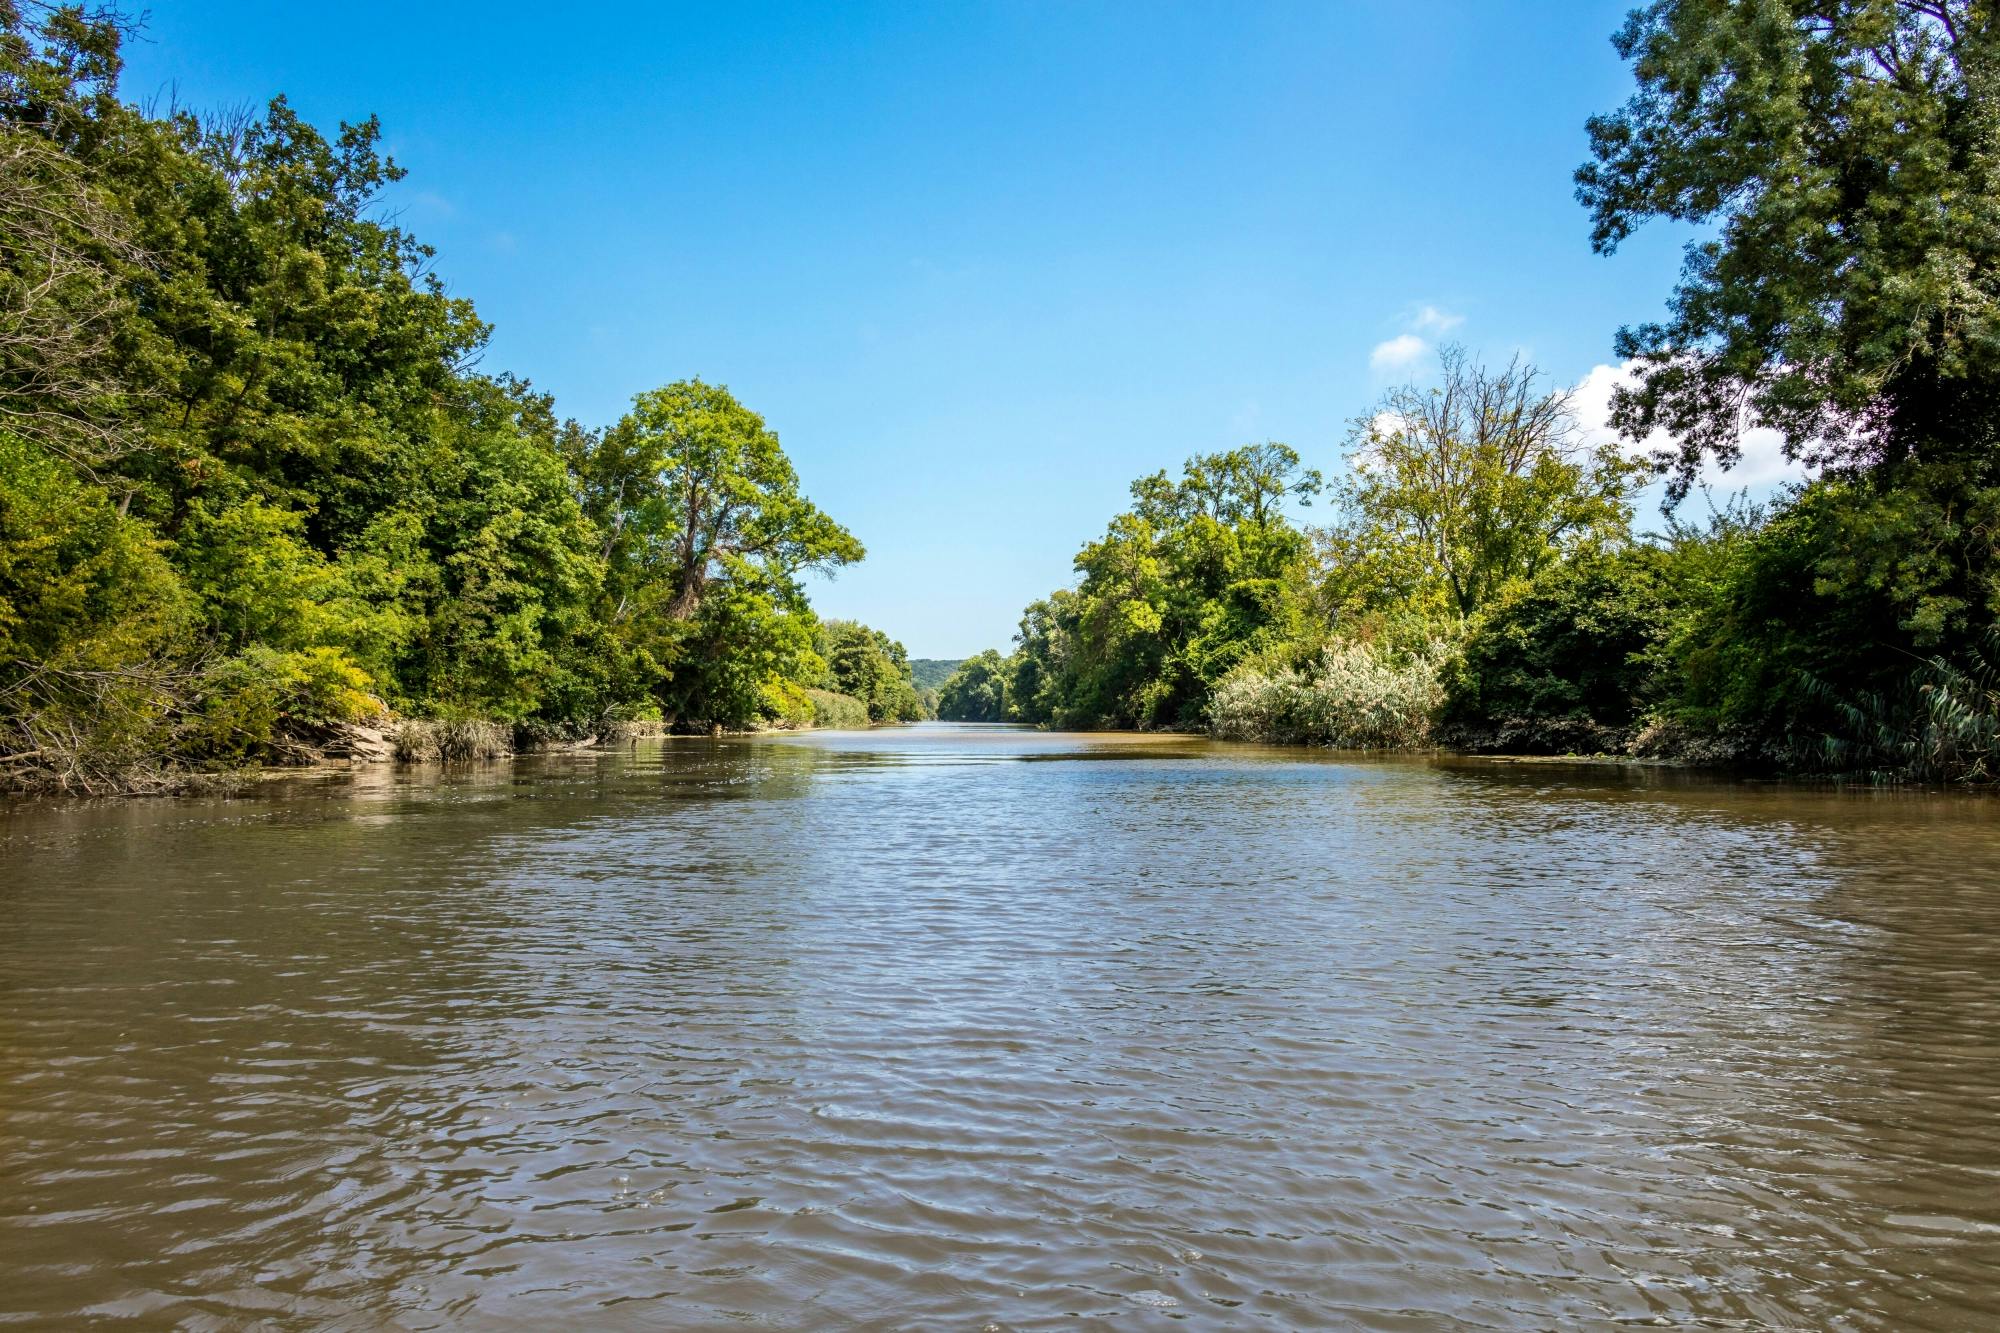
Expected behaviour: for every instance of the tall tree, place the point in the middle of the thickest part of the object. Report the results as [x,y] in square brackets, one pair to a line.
[1846,156]
[694,485]
[1201,570]
[977,691]
[1456,490]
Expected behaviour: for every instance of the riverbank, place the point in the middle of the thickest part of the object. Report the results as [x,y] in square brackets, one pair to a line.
[378,742]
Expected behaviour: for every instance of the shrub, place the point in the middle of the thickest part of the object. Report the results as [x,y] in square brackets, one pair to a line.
[841,712]
[1847,588]
[1942,724]
[451,740]
[786,704]
[272,706]
[1570,653]
[1352,696]
[94,626]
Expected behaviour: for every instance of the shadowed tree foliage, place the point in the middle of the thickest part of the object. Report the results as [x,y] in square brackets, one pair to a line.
[1846,154]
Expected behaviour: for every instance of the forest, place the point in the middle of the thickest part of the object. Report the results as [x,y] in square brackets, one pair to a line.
[255,488]
[1481,582]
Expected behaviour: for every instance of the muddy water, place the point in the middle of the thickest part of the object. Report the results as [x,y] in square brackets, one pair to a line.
[954,1027]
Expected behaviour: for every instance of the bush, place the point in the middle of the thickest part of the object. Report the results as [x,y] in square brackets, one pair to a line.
[451,740]
[841,712]
[94,626]
[1941,724]
[786,704]
[1833,602]
[1567,660]
[1352,696]
[264,705]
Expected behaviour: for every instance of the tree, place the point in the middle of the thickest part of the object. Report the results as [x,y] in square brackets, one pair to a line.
[704,535]
[872,667]
[693,488]
[61,303]
[251,484]
[1846,154]
[1571,652]
[977,691]
[1457,490]
[1201,570]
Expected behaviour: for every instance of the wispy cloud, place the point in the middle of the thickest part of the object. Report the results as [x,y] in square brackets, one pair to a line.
[1430,319]
[1404,349]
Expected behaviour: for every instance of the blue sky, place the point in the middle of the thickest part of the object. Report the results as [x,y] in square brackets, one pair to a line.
[979,265]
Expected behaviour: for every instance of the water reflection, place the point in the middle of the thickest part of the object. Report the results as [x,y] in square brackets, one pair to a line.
[979,1025]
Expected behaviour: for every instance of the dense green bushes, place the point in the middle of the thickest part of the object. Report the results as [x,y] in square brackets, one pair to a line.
[838,711]
[1567,660]
[868,665]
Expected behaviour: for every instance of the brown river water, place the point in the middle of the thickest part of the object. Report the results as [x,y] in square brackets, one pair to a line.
[980,1028]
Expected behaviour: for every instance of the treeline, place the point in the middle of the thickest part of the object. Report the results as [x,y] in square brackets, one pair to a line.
[254,487]
[1481,584]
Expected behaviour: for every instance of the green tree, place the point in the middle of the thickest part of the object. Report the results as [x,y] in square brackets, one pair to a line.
[1203,569]
[1845,157]
[692,488]
[1455,491]
[872,667]
[705,536]
[1570,657]
[254,485]
[977,691]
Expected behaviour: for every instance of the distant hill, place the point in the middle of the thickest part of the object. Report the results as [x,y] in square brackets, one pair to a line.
[931,672]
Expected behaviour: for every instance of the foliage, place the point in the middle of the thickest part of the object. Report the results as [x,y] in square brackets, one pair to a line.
[691,488]
[1576,644]
[1941,723]
[60,302]
[1201,571]
[252,477]
[95,628]
[930,673]
[841,712]
[1353,695]
[1846,156]
[976,691]
[788,704]
[1457,490]
[264,704]
[868,665]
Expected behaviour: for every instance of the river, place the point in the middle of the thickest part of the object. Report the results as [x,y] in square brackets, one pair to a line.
[963,1027]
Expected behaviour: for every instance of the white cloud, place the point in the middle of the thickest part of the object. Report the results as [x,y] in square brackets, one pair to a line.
[1386,423]
[1430,319]
[1762,466]
[1402,350]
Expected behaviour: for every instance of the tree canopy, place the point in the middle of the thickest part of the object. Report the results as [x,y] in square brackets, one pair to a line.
[1844,159]
[256,482]
[1457,489]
